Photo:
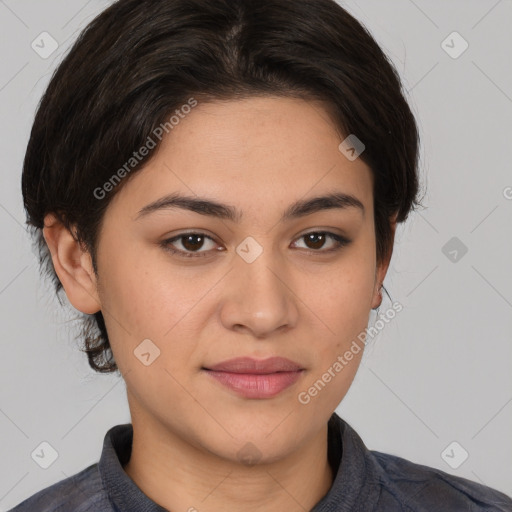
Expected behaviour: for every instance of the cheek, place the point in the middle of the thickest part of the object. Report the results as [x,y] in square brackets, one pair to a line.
[342,297]
[144,298]
[342,302]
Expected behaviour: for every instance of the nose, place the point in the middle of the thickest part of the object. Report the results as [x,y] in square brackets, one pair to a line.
[259,297]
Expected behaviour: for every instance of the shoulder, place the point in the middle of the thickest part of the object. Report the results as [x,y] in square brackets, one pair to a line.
[420,487]
[82,492]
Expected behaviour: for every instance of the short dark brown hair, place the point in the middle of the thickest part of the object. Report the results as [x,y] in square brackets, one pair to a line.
[140,60]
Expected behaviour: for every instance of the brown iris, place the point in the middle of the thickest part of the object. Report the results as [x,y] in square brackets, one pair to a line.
[189,245]
[318,239]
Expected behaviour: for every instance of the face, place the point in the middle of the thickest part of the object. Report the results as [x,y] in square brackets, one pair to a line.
[205,288]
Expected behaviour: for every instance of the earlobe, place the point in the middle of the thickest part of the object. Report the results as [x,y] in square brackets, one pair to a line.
[377,297]
[382,269]
[73,266]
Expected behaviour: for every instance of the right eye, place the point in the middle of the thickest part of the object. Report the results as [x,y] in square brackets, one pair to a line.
[191,243]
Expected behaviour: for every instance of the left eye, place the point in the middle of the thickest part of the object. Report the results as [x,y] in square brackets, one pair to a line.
[192,242]
[318,238]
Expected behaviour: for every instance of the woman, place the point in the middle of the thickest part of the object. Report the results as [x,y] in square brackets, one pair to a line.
[218,184]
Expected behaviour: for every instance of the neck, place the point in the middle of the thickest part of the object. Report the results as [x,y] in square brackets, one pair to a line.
[179,476]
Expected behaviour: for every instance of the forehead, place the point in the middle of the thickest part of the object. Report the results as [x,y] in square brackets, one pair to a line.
[259,153]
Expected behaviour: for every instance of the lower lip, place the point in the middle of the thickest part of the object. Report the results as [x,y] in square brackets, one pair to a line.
[251,385]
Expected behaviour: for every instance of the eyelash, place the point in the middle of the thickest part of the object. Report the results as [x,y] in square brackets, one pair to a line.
[166,244]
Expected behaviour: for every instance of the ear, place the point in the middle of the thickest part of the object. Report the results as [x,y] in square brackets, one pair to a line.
[382,268]
[72,265]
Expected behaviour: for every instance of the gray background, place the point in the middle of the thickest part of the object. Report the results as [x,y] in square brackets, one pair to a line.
[439,372]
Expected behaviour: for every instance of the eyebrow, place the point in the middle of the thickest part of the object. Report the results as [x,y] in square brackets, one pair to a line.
[204,206]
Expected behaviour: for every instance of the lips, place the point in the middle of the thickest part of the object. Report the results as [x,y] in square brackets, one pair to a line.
[257,379]
[255,366]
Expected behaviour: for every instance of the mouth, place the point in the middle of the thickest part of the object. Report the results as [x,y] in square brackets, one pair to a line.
[253,378]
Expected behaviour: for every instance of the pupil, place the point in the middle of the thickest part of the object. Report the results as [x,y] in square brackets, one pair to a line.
[191,246]
[319,236]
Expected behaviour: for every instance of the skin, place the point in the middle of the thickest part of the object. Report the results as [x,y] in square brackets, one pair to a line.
[260,155]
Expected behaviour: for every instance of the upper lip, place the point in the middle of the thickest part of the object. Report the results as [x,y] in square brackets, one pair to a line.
[256,366]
